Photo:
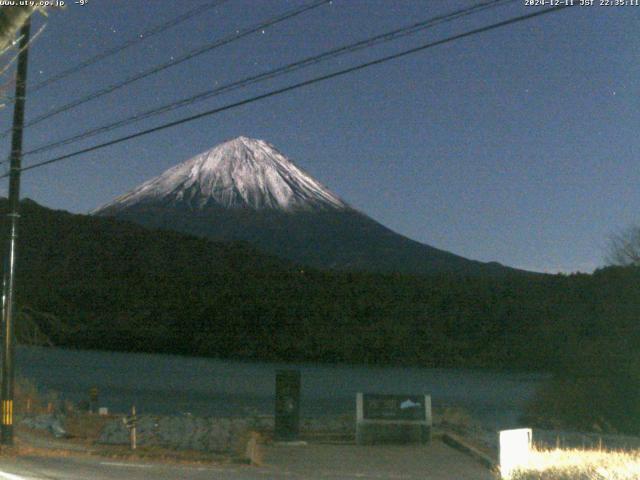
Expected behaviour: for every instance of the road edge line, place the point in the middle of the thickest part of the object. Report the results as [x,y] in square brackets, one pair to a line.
[11,476]
[464,447]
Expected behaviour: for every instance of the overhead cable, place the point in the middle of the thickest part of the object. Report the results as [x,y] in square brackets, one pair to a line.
[183,58]
[123,46]
[270,74]
[296,86]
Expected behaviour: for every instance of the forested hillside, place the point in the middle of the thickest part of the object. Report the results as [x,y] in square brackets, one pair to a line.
[118,286]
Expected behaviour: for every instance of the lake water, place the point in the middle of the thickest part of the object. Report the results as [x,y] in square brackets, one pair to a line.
[168,384]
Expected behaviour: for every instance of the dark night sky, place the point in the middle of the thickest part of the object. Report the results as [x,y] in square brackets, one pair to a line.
[518,145]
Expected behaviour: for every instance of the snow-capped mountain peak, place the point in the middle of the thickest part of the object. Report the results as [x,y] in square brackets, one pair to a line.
[239,173]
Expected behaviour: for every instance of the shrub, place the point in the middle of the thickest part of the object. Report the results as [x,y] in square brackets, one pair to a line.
[597,389]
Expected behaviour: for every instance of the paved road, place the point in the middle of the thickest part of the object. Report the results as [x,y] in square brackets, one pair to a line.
[314,462]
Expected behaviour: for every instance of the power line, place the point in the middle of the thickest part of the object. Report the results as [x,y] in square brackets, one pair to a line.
[312,60]
[183,58]
[297,85]
[129,43]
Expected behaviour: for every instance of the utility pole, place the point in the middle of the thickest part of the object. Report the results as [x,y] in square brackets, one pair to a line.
[8,285]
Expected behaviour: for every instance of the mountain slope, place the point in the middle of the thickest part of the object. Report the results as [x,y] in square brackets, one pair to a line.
[113,285]
[245,189]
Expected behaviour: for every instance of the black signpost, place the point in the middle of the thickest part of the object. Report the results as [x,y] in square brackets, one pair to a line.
[93,399]
[287,421]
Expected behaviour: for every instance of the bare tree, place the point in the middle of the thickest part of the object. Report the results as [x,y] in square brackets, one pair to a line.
[624,247]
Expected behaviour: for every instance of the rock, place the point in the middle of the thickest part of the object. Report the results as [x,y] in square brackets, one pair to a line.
[47,422]
[180,432]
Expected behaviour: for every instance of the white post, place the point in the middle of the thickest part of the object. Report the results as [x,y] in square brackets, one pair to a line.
[133,428]
[515,449]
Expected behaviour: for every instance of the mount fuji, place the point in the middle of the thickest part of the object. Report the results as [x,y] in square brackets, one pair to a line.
[246,190]
[239,174]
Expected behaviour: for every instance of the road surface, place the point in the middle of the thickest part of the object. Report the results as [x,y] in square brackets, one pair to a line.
[436,461]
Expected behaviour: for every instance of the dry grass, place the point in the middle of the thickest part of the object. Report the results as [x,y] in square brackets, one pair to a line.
[29,400]
[159,454]
[454,418]
[24,448]
[84,430]
[250,450]
[580,465]
[156,454]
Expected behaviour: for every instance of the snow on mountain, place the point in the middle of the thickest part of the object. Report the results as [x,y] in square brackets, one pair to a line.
[245,190]
[239,173]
